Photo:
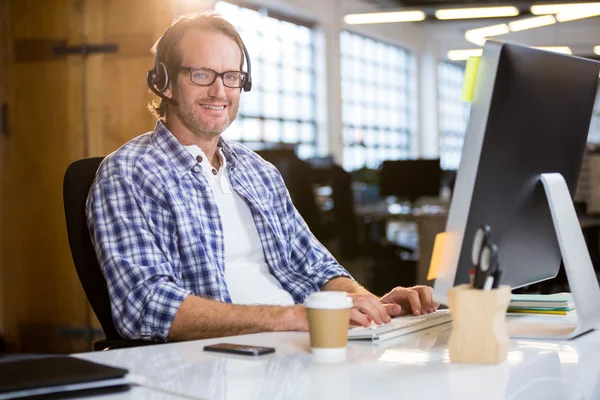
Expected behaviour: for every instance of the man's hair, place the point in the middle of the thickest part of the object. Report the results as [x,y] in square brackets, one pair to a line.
[169,55]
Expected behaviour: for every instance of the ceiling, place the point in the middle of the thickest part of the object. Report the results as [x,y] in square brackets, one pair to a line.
[580,35]
[395,4]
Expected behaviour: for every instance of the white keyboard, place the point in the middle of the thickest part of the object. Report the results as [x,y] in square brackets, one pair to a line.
[400,326]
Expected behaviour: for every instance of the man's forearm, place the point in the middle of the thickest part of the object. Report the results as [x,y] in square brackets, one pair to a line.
[345,284]
[199,318]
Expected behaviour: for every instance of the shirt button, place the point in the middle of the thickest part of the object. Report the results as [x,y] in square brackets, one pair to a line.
[208,188]
[196,169]
[218,232]
[214,171]
[199,159]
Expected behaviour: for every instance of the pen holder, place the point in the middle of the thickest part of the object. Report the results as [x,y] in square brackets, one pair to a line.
[479,334]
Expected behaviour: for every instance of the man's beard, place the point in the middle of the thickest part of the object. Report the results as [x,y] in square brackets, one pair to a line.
[188,114]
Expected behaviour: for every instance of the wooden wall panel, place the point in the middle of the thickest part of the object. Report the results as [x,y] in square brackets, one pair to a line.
[4,79]
[61,108]
[45,130]
[118,95]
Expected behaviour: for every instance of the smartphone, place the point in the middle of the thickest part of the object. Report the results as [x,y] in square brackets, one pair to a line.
[242,349]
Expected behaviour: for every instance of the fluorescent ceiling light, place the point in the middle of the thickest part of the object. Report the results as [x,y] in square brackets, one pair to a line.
[458,55]
[478,36]
[483,12]
[531,23]
[573,15]
[597,50]
[384,17]
[556,49]
[560,8]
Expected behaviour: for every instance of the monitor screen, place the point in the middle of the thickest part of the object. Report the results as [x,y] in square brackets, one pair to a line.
[530,115]
[410,179]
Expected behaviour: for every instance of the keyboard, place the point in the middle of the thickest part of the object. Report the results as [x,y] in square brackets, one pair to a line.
[399,326]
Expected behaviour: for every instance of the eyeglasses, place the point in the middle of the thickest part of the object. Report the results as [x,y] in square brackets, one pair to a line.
[207,76]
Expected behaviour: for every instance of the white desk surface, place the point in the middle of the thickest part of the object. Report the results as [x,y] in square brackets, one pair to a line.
[136,393]
[414,366]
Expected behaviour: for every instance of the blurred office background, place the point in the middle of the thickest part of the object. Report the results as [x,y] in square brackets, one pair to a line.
[331,102]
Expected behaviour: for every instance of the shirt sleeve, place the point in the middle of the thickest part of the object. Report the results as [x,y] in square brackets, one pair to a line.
[141,283]
[308,255]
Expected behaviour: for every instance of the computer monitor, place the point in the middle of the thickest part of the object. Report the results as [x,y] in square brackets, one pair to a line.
[530,115]
[410,179]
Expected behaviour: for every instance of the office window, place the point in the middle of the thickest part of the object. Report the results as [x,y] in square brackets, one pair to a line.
[377,101]
[594,133]
[453,114]
[281,107]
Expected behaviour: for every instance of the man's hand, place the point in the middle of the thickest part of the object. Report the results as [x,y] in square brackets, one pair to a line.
[367,308]
[415,300]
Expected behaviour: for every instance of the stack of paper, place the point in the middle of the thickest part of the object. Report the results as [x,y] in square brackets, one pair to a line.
[559,303]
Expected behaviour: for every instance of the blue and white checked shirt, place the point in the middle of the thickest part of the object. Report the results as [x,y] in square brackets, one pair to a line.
[157,231]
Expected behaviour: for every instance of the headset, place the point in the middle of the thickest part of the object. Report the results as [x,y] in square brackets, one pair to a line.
[158,77]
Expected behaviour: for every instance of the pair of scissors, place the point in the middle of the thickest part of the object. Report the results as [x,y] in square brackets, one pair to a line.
[485,260]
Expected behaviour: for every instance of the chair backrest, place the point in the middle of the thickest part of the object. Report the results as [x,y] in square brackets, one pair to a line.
[76,186]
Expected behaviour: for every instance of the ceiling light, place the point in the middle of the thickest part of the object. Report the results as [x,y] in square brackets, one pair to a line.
[560,8]
[384,17]
[597,50]
[531,23]
[556,49]
[483,12]
[458,55]
[478,36]
[573,15]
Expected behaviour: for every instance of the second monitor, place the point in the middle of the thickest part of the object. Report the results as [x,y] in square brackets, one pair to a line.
[410,179]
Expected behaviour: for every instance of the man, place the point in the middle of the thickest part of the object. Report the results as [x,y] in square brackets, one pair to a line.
[197,236]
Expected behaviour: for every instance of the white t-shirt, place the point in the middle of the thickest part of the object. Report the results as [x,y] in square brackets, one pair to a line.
[246,272]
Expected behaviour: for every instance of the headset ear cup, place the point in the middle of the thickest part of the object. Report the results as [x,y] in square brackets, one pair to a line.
[248,85]
[162,77]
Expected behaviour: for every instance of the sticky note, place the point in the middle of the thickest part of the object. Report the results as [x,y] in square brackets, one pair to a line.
[436,256]
[470,79]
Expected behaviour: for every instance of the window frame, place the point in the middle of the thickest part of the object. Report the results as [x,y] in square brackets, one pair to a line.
[391,137]
[453,115]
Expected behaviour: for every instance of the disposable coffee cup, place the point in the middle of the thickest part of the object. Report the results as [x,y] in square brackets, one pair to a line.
[328,321]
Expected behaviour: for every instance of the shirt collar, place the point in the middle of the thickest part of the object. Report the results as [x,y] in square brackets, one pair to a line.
[164,139]
[196,151]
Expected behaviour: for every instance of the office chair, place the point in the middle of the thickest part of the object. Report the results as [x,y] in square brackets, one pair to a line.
[76,185]
[298,177]
[346,226]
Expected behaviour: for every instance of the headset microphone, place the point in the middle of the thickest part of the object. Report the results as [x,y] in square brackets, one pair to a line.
[150,79]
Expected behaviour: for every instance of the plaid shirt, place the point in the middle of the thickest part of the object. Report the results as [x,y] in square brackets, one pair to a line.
[158,235]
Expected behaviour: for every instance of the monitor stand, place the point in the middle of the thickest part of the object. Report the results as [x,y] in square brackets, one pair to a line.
[581,276]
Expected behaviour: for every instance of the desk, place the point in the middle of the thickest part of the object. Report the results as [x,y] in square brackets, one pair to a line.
[415,366]
[136,393]
[431,220]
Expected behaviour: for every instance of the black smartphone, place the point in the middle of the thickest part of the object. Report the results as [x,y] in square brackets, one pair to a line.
[242,349]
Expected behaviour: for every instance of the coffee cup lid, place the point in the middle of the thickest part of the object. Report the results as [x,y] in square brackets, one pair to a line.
[329,300]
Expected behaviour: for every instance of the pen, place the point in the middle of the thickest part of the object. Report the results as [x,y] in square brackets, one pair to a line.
[489,283]
[497,276]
